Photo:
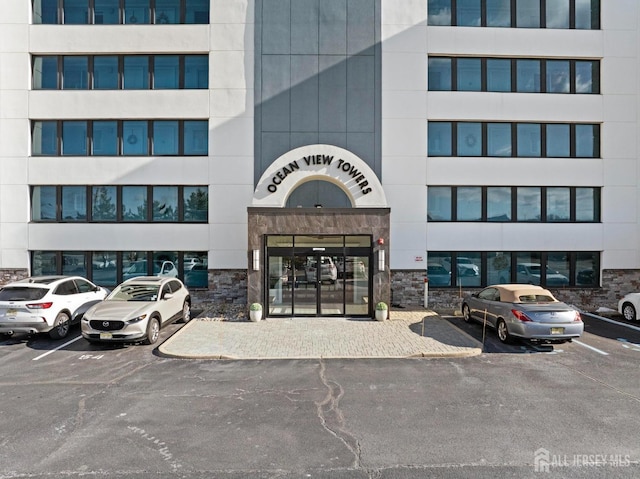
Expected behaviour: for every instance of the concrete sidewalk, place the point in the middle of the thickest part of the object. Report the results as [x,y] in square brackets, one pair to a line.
[406,334]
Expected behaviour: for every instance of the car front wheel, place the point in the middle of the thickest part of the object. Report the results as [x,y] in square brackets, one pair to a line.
[629,312]
[503,332]
[153,331]
[60,326]
[186,312]
[466,313]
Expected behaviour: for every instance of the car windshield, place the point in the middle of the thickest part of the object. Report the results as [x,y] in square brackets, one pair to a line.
[135,292]
[535,298]
[21,293]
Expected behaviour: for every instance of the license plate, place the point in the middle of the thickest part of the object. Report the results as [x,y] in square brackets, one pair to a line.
[11,313]
[557,330]
[106,335]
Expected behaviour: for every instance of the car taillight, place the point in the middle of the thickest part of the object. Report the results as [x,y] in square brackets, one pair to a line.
[578,318]
[520,315]
[39,305]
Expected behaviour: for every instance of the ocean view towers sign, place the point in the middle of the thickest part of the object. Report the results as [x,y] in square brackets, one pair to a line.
[319,162]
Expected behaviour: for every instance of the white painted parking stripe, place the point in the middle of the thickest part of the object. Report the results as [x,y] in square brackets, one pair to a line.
[591,315]
[599,351]
[59,347]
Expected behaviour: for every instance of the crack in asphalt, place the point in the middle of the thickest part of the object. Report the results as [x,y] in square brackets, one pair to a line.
[332,419]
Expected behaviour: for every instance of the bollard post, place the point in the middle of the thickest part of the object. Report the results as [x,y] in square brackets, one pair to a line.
[426,292]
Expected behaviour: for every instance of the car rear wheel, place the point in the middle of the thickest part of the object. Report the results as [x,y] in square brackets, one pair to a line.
[466,313]
[629,312]
[186,312]
[60,326]
[153,331]
[503,332]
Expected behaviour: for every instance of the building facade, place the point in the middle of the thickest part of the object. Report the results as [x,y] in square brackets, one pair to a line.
[319,156]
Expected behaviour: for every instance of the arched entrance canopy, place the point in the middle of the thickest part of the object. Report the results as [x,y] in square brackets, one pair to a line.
[319,162]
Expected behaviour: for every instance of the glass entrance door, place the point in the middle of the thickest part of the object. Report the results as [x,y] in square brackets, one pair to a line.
[318,292]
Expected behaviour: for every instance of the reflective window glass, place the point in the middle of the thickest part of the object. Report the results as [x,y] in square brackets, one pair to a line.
[197,11]
[468,13]
[165,263]
[166,71]
[468,269]
[528,268]
[165,203]
[74,263]
[134,264]
[75,73]
[439,203]
[499,139]
[45,73]
[527,14]
[165,137]
[74,138]
[529,203]
[107,12]
[76,12]
[134,137]
[557,13]
[587,80]
[105,73]
[557,270]
[528,76]
[134,203]
[558,76]
[103,268]
[498,74]
[469,139]
[439,74]
[74,203]
[498,13]
[439,140]
[44,138]
[168,11]
[587,14]
[439,268]
[469,203]
[498,203]
[43,203]
[196,71]
[498,267]
[103,203]
[586,209]
[136,72]
[529,139]
[196,137]
[44,263]
[469,74]
[587,269]
[196,203]
[587,141]
[45,12]
[105,138]
[558,204]
[439,12]
[136,11]
[558,140]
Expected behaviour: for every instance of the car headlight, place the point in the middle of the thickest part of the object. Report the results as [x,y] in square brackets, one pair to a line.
[137,319]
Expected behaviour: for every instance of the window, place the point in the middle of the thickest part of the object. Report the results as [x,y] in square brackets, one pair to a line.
[196,71]
[527,14]
[553,140]
[105,73]
[197,11]
[558,77]
[166,72]
[137,11]
[45,73]
[105,138]
[74,138]
[44,138]
[557,14]
[469,74]
[136,137]
[76,12]
[523,203]
[498,74]
[439,74]
[528,76]
[119,204]
[75,73]
[136,72]
[167,11]
[439,12]
[468,13]
[498,13]
[196,137]
[106,12]
[165,137]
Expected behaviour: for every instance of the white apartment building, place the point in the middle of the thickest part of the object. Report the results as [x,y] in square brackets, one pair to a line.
[319,156]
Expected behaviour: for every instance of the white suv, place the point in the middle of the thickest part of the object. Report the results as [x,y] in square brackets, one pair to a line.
[46,304]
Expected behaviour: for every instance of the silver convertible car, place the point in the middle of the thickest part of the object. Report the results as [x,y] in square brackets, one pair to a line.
[137,309]
[523,311]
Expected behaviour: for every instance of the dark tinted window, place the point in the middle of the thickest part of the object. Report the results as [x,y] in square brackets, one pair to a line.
[22,293]
[66,288]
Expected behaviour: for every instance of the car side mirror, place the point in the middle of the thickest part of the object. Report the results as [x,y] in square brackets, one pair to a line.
[167,296]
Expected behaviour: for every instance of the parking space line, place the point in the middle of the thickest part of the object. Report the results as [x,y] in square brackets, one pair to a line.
[59,347]
[599,351]
[591,315]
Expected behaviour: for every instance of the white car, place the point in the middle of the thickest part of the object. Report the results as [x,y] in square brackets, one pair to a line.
[328,270]
[160,268]
[137,309]
[46,304]
[629,307]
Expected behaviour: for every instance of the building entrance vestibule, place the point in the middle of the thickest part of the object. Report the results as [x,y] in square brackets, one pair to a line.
[318,275]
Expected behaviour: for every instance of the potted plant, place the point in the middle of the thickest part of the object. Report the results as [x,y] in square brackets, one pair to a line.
[381,311]
[255,312]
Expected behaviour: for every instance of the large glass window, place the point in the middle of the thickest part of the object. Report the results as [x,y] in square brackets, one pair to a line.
[196,71]
[528,76]
[75,73]
[558,140]
[165,203]
[586,205]
[165,137]
[498,74]
[103,201]
[529,203]
[196,203]
[439,12]
[137,11]
[44,138]
[469,203]
[439,203]
[166,72]
[498,267]
[105,72]
[74,138]
[74,263]
[468,13]
[527,14]
[557,13]
[439,74]
[43,203]
[529,139]
[587,14]
[439,139]
[45,73]
[167,11]
[499,203]
[587,77]
[44,263]
[197,11]
[135,137]
[469,139]
[45,11]
[196,137]
[439,268]
[499,139]
[558,76]
[469,74]
[103,265]
[468,269]
[106,12]
[74,203]
[105,138]
[136,72]
[498,13]
[587,269]
[558,204]
[76,12]
[134,203]
[587,141]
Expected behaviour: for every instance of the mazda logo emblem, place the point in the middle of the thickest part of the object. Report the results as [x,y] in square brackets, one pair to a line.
[105,323]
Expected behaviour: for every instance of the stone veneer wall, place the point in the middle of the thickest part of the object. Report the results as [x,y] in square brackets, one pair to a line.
[408,291]
[9,275]
[225,287]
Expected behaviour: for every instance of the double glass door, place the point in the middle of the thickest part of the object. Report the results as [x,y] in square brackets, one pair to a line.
[319,276]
